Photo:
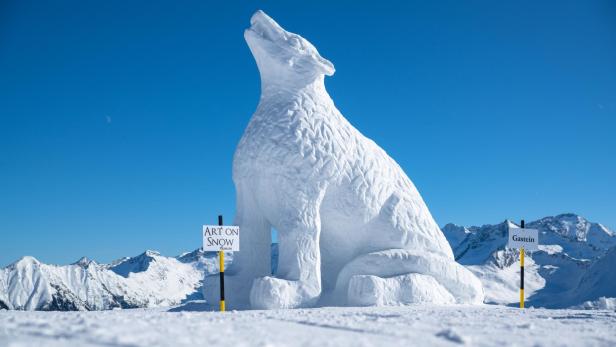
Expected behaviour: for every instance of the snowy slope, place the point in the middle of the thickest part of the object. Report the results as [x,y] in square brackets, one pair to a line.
[600,279]
[558,275]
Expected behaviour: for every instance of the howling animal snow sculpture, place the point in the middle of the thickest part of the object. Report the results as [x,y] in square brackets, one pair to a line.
[352,227]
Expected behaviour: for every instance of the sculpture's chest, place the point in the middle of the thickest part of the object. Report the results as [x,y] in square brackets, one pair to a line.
[300,132]
[291,123]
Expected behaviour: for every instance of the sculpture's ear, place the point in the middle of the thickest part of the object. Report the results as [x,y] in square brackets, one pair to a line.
[311,54]
[326,66]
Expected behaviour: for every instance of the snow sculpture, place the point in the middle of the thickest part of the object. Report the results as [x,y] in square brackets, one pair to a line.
[352,227]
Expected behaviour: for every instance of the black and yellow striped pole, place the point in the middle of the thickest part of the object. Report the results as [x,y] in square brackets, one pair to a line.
[221,259]
[522,271]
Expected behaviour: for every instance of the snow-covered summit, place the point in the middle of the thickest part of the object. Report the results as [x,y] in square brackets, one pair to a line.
[196,256]
[573,226]
[577,230]
[85,262]
[136,264]
[25,261]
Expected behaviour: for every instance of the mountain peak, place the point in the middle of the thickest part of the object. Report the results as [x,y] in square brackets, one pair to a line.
[26,261]
[139,263]
[84,262]
[197,255]
[151,253]
[568,214]
[568,225]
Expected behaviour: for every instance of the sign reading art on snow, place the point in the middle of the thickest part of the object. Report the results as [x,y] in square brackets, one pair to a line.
[221,238]
[523,238]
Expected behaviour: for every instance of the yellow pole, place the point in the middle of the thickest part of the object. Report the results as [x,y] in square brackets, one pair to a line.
[521,277]
[221,256]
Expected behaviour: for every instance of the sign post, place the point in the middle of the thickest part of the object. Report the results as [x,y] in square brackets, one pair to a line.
[523,239]
[221,273]
[522,271]
[221,238]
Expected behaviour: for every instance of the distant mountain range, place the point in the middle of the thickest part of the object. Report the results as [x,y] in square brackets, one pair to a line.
[575,266]
[146,280]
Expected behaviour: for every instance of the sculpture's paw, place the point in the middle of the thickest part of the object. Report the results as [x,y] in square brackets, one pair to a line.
[272,293]
[413,288]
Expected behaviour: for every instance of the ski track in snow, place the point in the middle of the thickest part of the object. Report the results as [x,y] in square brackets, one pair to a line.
[453,325]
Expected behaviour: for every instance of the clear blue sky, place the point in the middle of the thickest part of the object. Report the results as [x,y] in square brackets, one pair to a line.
[118,119]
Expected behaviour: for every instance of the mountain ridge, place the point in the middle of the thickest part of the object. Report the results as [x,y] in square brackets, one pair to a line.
[569,246]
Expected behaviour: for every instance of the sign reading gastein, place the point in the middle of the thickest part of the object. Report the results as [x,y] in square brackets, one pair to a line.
[221,238]
[523,238]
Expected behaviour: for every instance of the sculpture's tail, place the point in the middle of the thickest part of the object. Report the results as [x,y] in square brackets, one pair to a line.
[455,278]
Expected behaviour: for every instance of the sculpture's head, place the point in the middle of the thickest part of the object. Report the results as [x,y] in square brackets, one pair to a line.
[283,55]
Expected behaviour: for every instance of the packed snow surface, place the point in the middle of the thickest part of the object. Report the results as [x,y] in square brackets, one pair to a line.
[415,325]
[343,208]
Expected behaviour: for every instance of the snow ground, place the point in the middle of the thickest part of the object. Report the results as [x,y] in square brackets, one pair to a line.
[425,325]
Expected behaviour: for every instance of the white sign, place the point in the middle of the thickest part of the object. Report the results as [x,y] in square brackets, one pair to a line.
[523,238]
[221,238]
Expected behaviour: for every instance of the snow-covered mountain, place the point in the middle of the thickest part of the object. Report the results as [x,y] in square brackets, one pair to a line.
[574,263]
[146,280]
[575,266]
